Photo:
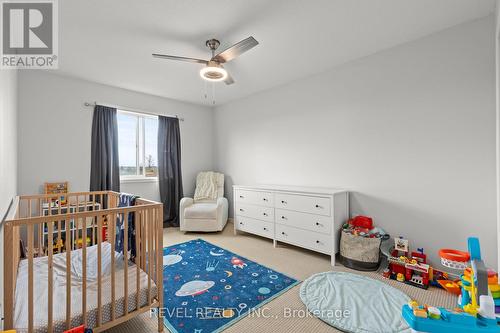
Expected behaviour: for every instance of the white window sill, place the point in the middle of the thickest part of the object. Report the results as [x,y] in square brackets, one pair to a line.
[125,180]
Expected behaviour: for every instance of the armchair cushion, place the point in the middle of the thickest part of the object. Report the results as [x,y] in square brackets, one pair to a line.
[202,210]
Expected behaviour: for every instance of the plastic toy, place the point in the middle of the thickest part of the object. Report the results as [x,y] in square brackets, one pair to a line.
[477,308]
[363,226]
[79,242]
[445,280]
[59,245]
[79,329]
[451,286]
[411,269]
[454,259]
[362,222]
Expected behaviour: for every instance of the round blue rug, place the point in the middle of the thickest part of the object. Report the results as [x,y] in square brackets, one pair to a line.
[355,303]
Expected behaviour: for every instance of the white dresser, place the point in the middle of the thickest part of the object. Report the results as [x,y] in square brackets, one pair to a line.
[303,216]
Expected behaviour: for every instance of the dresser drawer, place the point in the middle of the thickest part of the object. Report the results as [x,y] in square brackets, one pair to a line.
[254,197]
[308,239]
[302,203]
[255,212]
[253,226]
[312,222]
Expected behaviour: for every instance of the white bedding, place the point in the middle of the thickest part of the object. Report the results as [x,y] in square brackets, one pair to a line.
[59,289]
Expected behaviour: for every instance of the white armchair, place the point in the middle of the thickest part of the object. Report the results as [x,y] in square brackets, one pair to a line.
[205,215]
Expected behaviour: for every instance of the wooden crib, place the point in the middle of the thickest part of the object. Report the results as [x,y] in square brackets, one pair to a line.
[51,230]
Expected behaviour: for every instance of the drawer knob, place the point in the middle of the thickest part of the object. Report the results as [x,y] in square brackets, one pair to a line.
[283,217]
[241,223]
[283,233]
[317,242]
[265,214]
[318,224]
[283,202]
[265,228]
[242,210]
[265,199]
[318,206]
[241,196]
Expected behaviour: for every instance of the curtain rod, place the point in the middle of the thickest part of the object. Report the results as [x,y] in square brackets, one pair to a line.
[129,109]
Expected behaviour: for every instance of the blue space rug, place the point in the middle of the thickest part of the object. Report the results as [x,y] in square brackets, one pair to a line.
[207,288]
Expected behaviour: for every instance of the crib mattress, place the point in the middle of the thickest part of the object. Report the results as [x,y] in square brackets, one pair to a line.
[59,290]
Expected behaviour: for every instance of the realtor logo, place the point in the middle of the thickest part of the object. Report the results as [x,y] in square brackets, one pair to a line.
[29,34]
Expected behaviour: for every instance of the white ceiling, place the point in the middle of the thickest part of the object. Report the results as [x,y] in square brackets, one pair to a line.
[111,41]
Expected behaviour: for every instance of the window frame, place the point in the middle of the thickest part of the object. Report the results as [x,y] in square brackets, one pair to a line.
[139,146]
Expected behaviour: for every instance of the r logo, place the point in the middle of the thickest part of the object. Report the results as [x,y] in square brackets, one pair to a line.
[27,27]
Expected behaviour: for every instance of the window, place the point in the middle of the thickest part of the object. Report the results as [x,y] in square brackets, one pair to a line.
[137,145]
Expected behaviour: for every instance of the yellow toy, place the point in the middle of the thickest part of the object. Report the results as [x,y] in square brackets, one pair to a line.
[79,242]
[59,245]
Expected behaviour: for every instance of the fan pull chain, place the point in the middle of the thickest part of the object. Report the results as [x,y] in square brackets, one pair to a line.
[206,89]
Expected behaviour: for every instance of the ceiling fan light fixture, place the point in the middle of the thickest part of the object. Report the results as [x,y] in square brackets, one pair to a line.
[213,72]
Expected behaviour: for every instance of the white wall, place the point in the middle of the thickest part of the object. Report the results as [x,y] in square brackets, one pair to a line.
[55,128]
[497,62]
[8,152]
[8,138]
[410,131]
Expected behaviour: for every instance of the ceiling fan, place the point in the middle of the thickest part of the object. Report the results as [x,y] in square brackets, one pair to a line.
[213,70]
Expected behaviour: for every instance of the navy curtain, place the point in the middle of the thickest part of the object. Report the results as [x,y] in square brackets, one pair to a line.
[169,169]
[104,165]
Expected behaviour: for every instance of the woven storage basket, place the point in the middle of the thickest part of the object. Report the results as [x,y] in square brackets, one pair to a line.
[360,253]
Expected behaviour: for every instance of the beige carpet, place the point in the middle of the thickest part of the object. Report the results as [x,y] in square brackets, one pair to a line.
[287,259]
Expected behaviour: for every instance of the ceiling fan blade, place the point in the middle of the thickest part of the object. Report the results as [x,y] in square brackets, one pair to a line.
[194,60]
[236,50]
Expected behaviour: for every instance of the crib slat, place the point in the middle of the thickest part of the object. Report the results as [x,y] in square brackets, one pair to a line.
[112,236]
[59,223]
[125,261]
[50,250]
[146,251]
[93,229]
[154,245]
[159,279]
[74,233]
[84,271]
[99,271]
[41,228]
[9,280]
[93,222]
[137,219]
[143,240]
[30,276]
[68,273]
[149,229]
